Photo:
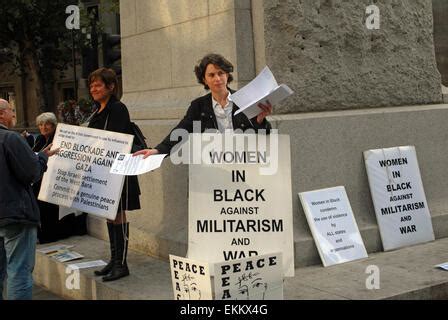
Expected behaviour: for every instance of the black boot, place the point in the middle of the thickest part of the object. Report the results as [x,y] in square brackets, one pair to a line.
[108,267]
[120,266]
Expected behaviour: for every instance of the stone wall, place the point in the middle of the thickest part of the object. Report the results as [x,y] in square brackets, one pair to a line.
[323,50]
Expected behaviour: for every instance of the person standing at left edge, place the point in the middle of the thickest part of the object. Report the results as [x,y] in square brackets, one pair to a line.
[19,213]
[112,115]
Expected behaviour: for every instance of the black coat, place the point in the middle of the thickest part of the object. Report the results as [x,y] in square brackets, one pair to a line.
[118,120]
[201,109]
[19,168]
[41,143]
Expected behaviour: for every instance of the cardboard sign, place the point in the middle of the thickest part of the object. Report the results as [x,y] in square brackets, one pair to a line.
[235,211]
[333,225]
[398,197]
[78,177]
[254,278]
[191,279]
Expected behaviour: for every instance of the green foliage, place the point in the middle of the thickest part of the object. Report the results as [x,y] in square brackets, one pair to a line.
[34,30]
[35,41]
[75,112]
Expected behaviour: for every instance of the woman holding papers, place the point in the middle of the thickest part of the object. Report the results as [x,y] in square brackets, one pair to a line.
[214,110]
[112,115]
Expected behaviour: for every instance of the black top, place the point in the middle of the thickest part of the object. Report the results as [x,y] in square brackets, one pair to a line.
[41,143]
[117,116]
[19,168]
[201,109]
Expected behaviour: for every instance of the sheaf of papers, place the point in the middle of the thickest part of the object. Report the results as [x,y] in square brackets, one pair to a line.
[65,255]
[88,264]
[443,266]
[127,165]
[263,87]
[54,248]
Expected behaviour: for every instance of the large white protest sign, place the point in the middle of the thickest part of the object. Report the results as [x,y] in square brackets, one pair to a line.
[254,278]
[333,225]
[398,197]
[78,177]
[235,211]
[191,279]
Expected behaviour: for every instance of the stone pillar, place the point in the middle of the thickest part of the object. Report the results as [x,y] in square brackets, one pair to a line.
[162,40]
[440,11]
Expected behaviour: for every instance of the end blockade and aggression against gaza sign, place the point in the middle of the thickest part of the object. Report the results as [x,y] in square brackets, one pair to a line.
[78,177]
[398,196]
[235,212]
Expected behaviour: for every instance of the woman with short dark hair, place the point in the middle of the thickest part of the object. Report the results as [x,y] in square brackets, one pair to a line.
[214,110]
[113,115]
[217,60]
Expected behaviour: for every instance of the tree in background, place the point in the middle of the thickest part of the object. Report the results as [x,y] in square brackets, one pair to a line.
[36,42]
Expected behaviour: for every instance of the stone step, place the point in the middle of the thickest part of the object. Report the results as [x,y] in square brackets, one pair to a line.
[407,273]
[150,278]
[41,293]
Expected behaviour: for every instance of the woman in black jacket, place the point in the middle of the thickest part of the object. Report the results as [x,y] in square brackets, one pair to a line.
[214,110]
[112,115]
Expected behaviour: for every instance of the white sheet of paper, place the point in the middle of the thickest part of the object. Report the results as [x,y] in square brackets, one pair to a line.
[443,266]
[88,264]
[54,248]
[263,87]
[127,165]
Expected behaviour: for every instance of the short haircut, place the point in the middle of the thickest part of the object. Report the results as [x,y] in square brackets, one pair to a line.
[216,59]
[108,76]
[4,104]
[47,117]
